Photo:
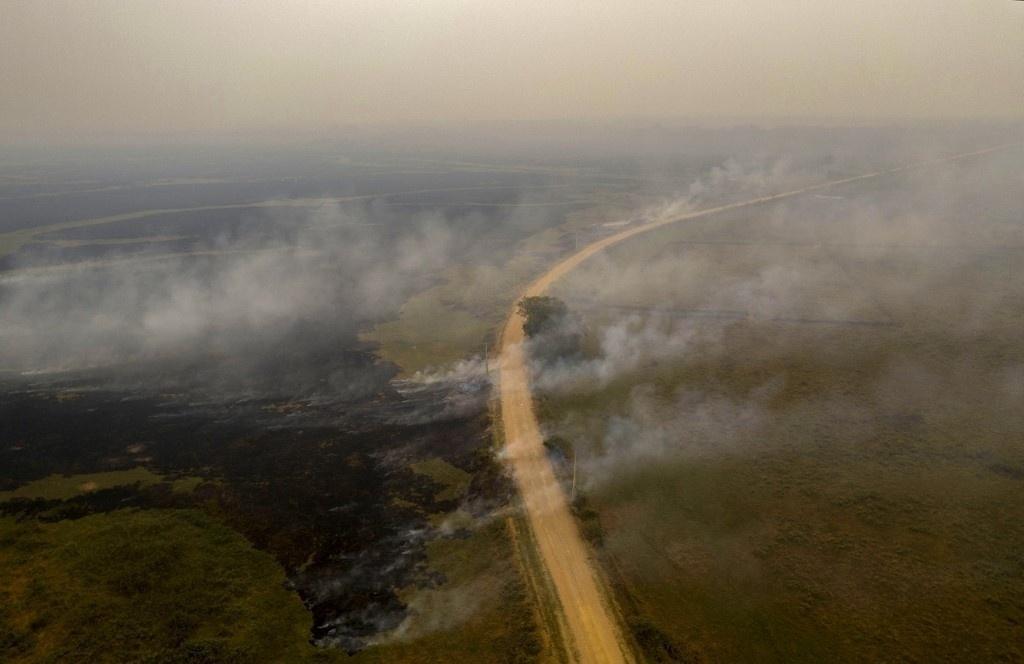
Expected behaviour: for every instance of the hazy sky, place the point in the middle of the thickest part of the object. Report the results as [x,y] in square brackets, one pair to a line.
[88,66]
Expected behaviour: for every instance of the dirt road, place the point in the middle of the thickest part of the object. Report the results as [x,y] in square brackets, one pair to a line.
[594,634]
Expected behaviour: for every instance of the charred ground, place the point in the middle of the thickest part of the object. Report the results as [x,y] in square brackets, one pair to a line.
[326,488]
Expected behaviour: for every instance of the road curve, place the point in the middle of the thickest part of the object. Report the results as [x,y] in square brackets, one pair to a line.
[594,633]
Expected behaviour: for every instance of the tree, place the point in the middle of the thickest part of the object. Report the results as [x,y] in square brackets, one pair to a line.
[542,314]
[553,332]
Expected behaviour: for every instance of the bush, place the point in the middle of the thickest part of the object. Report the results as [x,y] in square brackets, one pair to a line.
[554,333]
[542,314]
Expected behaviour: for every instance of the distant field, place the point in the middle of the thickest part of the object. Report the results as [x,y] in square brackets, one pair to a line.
[808,445]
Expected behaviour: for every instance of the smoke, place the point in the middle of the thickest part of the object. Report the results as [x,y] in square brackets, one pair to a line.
[746,177]
[113,312]
[271,309]
[906,288]
[471,370]
[442,609]
[625,345]
[436,395]
[687,424]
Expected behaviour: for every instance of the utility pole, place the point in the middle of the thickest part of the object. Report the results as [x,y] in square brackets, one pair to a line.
[572,494]
[487,366]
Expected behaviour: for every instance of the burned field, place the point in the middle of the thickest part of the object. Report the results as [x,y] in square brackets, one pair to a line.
[196,371]
[326,488]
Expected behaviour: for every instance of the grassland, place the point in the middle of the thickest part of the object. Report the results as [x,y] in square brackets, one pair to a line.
[430,332]
[62,487]
[829,467]
[162,586]
[454,480]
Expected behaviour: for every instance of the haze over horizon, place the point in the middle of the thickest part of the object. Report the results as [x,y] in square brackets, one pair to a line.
[364,331]
[75,69]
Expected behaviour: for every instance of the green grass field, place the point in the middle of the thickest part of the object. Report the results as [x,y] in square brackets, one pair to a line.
[156,585]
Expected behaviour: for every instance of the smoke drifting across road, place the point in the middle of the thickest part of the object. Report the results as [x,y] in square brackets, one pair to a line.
[922,257]
[265,310]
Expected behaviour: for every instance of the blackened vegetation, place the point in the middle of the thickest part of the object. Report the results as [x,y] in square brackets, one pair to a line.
[321,483]
[655,644]
[560,452]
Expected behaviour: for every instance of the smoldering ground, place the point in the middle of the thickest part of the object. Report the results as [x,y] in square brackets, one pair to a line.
[327,490]
[325,487]
[259,311]
[240,364]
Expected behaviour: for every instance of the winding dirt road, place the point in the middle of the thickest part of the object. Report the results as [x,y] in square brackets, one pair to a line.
[594,634]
